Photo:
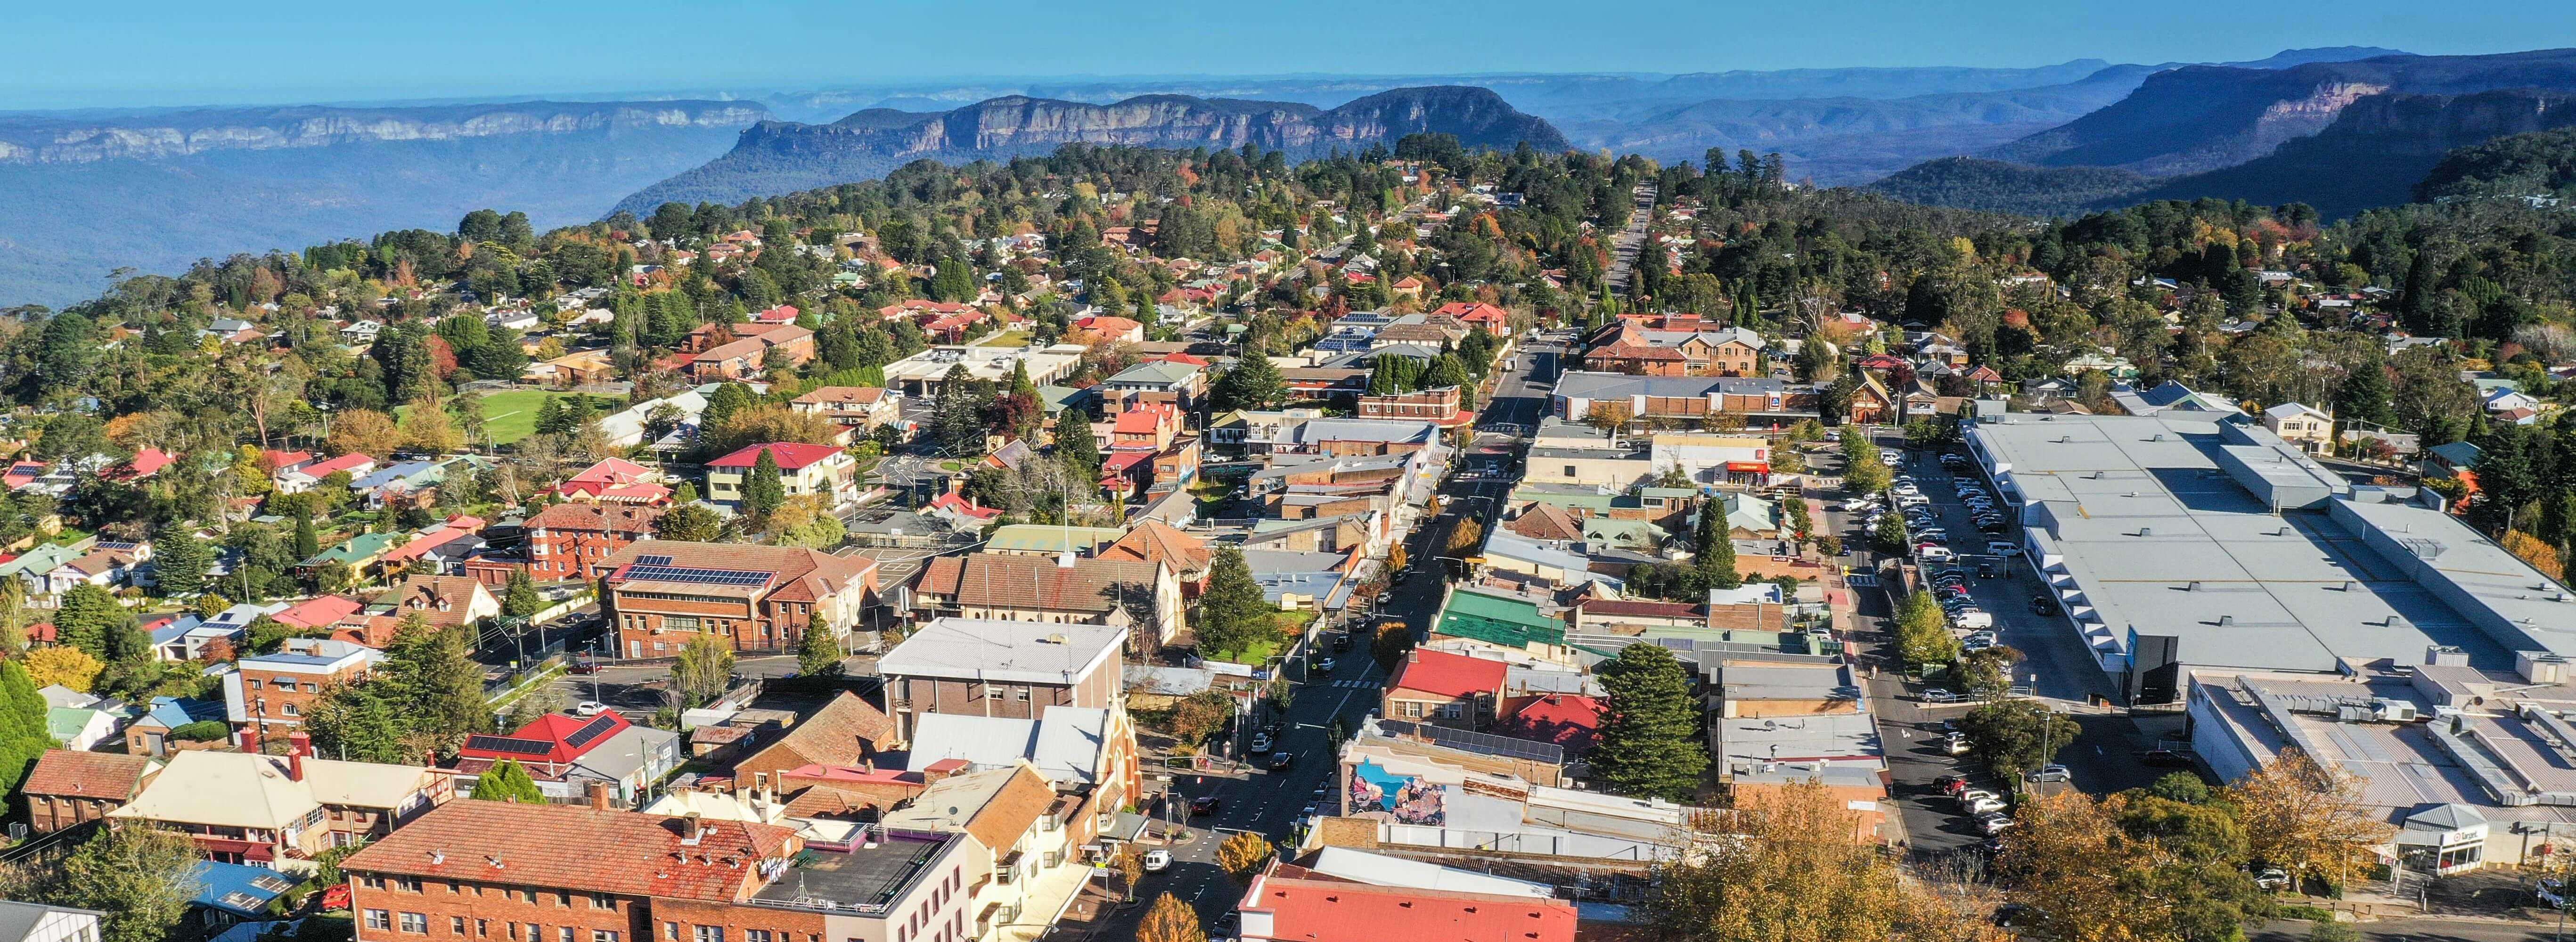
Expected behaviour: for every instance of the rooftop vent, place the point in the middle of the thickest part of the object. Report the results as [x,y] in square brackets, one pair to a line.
[2226,620]
[2146,531]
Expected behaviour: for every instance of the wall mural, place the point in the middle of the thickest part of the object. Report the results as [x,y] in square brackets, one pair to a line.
[1405,799]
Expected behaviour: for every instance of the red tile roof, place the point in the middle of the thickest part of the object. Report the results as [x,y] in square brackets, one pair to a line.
[1569,720]
[1453,675]
[108,775]
[789,455]
[319,612]
[348,462]
[574,847]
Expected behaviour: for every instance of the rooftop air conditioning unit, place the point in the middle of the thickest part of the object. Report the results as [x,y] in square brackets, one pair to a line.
[2388,710]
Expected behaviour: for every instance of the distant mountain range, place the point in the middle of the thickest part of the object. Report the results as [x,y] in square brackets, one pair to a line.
[157,192]
[776,157]
[2340,136]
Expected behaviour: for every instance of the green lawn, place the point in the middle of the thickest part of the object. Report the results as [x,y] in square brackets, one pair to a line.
[1007,338]
[511,415]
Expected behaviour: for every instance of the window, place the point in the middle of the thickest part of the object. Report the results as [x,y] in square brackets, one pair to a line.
[708,933]
[456,925]
[1451,711]
[415,923]
[379,919]
[565,934]
[1571,472]
[372,882]
[253,683]
[536,933]
[602,901]
[602,935]
[407,884]
[671,931]
[1412,708]
[482,928]
[290,710]
[755,935]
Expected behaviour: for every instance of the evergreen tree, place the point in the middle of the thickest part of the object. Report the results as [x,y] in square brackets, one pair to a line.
[1445,370]
[2365,395]
[308,543]
[507,780]
[1649,745]
[762,491]
[1252,383]
[723,403]
[434,683]
[818,654]
[142,876]
[90,619]
[179,563]
[25,732]
[691,523]
[1232,614]
[520,598]
[1716,559]
[354,722]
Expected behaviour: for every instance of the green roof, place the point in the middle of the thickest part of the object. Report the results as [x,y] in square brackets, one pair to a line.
[1041,538]
[1499,619]
[364,547]
[1566,497]
[66,723]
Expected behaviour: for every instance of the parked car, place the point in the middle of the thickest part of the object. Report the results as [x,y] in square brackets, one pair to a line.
[2271,878]
[1956,744]
[2003,547]
[1933,552]
[1158,860]
[1994,823]
[1261,742]
[1939,695]
[583,667]
[2043,605]
[1206,804]
[1973,794]
[2165,758]
[1987,571]
[589,708]
[1983,805]
[2053,772]
[1325,664]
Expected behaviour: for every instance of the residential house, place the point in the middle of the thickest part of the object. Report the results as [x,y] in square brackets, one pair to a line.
[67,787]
[261,809]
[865,408]
[1154,541]
[439,602]
[1626,347]
[1009,669]
[81,727]
[149,734]
[1444,689]
[1117,593]
[297,480]
[760,347]
[2301,425]
[615,481]
[1485,317]
[822,470]
[756,598]
[566,755]
[267,696]
[847,732]
[38,922]
[1177,381]
[184,638]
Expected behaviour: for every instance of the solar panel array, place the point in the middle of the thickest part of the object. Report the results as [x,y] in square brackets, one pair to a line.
[509,744]
[595,729]
[652,560]
[1479,743]
[661,573]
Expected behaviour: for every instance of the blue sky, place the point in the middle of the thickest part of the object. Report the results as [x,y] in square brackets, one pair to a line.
[158,52]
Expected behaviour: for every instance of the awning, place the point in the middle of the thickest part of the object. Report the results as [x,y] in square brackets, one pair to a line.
[1754,467]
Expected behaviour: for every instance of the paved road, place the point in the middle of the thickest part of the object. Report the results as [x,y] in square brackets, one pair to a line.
[2419,930]
[1623,250]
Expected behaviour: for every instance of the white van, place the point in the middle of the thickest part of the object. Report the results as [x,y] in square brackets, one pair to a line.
[1934,553]
[1976,620]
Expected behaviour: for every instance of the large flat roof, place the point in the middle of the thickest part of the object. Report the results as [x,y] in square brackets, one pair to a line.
[2252,556]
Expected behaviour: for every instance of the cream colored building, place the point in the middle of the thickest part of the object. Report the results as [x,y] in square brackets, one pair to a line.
[2301,425]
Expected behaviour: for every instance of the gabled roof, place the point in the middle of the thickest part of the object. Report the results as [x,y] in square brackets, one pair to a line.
[555,738]
[843,732]
[1572,721]
[789,455]
[1501,619]
[103,775]
[1018,581]
[350,462]
[1544,521]
[578,848]
[1450,675]
[1154,541]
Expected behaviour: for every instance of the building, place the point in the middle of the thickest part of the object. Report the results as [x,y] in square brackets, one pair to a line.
[261,809]
[1010,669]
[566,754]
[1018,834]
[2201,539]
[1387,899]
[823,470]
[1094,591]
[2301,425]
[38,922]
[860,407]
[755,598]
[67,787]
[1178,381]
[762,347]
[920,374]
[1444,689]
[616,481]
[1628,347]
[301,478]
[569,541]
[1438,406]
[1685,399]
[438,601]
[149,734]
[1713,459]
[267,696]
[1153,541]
[846,732]
[1425,789]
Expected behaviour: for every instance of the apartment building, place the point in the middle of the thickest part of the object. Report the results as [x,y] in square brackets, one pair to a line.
[755,598]
[267,696]
[825,470]
[1010,669]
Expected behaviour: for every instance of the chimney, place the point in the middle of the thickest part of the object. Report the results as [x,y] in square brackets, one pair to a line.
[599,796]
[868,764]
[298,744]
[1413,656]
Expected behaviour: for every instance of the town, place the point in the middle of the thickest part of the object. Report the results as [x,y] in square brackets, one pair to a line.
[1186,545]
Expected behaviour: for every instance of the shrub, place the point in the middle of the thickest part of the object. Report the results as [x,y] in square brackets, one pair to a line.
[202,731]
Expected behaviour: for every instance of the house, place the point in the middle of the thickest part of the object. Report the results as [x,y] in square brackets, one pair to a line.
[756,598]
[442,546]
[149,734]
[1154,541]
[1444,689]
[1171,381]
[847,731]
[267,696]
[2450,459]
[1627,347]
[261,809]
[184,638]
[1484,317]
[2301,425]
[566,755]
[1009,669]
[1096,591]
[615,481]
[1017,833]
[319,613]
[1387,898]
[38,922]
[439,601]
[67,787]
[299,479]
[80,727]
[823,470]
[1112,328]
[576,369]
[865,408]
[569,541]
[235,893]
[761,347]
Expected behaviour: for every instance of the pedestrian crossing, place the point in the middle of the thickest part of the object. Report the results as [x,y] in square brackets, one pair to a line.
[1860,580]
[1353,684]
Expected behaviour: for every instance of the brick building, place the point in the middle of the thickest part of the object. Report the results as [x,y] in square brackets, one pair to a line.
[760,347]
[267,696]
[68,787]
[1444,689]
[1009,669]
[1117,592]
[1438,406]
[824,470]
[756,598]
[569,541]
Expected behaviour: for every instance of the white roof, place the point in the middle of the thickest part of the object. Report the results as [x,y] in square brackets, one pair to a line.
[1064,743]
[225,789]
[997,650]
[1359,866]
[2292,410]
[361,784]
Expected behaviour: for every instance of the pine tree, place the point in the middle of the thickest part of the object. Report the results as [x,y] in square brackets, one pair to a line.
[1649,745]
[354,722]
[818,653]
[434,683]
[509,781]
[90,619]
[1075,446]
[1716,559]
[179,563]
[1252,383]
[308,543]
[25,733]
[520,599]
[2365,395]
[762,491]
[1232,613]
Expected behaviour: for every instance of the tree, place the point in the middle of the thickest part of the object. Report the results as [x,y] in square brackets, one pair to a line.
[2364,396]
[762,491]
[308,543]
[179,563]
[2014,737]
[1465,536]
[520,599]
[434,684]
[1649,744]
[1785,867]
[2131,866]
[703,670]
[690,523]
[1243,854]
[818,653]
[91,619]
[355,722]
[1890,537]
[25,732]
[1198,716]
[1863,472]
[1923,633]
[1130,864]
[67,666]
[1232,614]
[1170,921]
[1609,417]
[364,431]
[1252,383]
[1716,547]
[1393,641]
[509,781]
[141,875]
[2307,818]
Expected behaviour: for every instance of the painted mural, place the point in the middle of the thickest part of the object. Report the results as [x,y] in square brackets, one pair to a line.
[1405,799]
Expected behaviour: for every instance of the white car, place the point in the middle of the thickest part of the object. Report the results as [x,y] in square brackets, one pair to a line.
[1888,458]
[1934,553]
[1858,504]
[1157,861]
[589,708]
[1983,805]
[2003,548]
[1974,618]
